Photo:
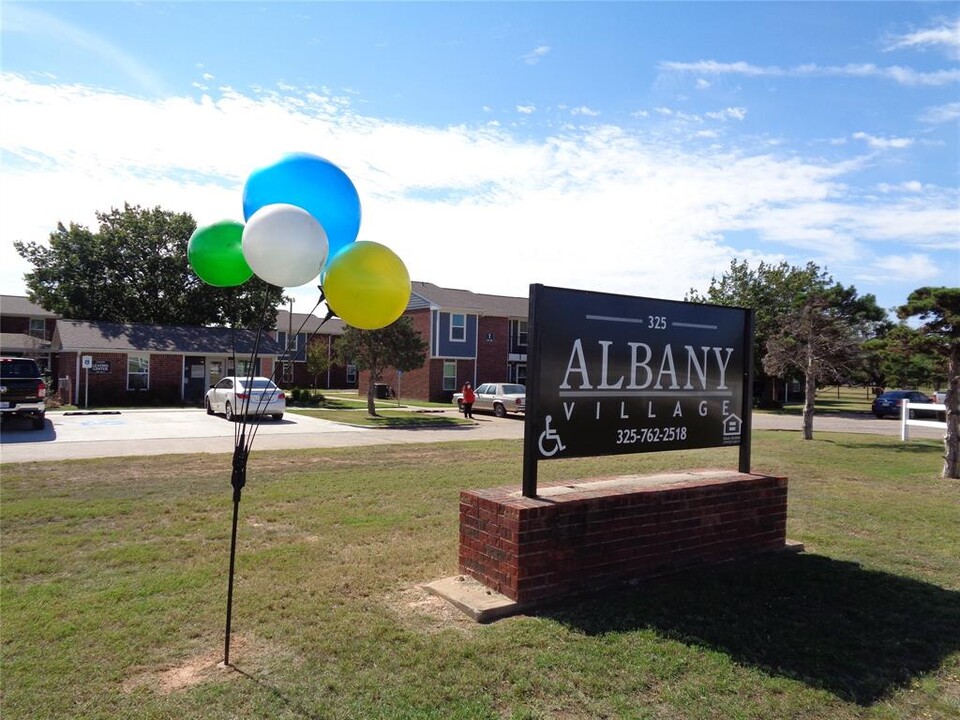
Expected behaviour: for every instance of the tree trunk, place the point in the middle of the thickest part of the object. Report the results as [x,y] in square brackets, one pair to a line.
[951,438]
[809,395]
[371,396]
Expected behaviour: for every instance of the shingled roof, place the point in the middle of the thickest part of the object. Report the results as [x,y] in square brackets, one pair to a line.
[79,335]
[20,305]
[21,342]
[306,323]
[465,300]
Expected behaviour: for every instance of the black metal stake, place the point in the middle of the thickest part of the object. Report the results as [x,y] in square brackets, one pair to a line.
[238,479]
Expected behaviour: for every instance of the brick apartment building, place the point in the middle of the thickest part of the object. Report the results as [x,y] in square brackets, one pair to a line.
[471,336]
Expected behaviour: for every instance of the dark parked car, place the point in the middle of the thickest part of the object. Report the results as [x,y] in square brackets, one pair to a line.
[889,403]
[22,390]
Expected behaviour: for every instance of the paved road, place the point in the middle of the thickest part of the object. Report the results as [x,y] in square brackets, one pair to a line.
[159,432]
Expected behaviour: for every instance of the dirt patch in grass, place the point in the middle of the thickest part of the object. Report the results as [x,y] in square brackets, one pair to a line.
[195,670]
[425,612]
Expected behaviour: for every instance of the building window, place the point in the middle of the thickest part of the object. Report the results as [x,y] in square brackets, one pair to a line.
[138,372]
[294,339]
[351,374]
[38,328]
[449,374]
[458,327]
[518,336]
[244,369]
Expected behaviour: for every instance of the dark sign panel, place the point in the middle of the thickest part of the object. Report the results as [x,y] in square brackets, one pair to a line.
[100,366]
[617,374]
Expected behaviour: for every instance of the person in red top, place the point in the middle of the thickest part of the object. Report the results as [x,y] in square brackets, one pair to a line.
[468,399]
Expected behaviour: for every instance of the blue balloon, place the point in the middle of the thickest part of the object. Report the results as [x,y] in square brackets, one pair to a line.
[314,184]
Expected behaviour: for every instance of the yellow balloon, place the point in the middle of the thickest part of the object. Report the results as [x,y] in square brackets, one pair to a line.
[367,285]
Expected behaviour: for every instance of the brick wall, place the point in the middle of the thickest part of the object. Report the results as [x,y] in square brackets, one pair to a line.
[424,383]
[110,388]
[493,346]
[583,536]
[333,378]
[166,377]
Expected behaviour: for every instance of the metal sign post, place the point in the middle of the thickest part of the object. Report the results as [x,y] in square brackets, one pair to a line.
[87,364]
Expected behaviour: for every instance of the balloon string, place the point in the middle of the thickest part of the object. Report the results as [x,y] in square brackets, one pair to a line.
[255,422]
[233,358]
[242,438]
[313,334]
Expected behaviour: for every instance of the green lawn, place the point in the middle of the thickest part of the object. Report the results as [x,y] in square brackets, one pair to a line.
[387,417]
[833,399]
[113,591]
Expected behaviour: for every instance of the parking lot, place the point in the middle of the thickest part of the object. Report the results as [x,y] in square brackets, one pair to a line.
[157,432]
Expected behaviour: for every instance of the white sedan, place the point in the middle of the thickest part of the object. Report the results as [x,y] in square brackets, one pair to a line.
[240,396]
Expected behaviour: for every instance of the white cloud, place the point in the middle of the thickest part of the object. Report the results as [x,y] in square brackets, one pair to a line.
[944,36]
[702,84]
[913,269]
[643,216]
[901,75]
[712,67]
[536,55]
[584,110]
[883,143]
[941,114]
[910,186]
[526,109]
[730,113]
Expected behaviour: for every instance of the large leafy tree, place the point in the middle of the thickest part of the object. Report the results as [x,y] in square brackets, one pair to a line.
[901,357]
[134,269]
[821,340]
[938,309]
[771,291]
[398,345]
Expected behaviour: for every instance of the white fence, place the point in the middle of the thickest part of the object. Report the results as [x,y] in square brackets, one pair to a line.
[906,421]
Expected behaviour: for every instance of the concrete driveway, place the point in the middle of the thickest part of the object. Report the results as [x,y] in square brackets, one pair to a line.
[158,432]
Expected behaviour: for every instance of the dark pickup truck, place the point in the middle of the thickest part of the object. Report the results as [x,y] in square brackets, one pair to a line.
[22,390]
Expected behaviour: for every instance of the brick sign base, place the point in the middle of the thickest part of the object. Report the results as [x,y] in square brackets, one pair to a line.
[586,535]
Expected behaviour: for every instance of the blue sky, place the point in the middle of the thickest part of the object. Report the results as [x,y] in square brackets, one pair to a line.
[625,147]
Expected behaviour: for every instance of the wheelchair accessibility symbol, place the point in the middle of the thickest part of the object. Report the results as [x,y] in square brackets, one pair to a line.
[551,436]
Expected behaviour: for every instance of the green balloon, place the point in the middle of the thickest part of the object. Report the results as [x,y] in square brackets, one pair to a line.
[216,256]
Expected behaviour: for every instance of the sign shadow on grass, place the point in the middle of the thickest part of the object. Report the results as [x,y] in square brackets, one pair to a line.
[859,634]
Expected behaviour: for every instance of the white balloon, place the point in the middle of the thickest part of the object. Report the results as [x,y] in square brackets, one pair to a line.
[284,245]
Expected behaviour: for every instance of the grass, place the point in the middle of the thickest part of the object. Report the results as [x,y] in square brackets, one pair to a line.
[114,582]
[351,409]
[833,399]
[386,418]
